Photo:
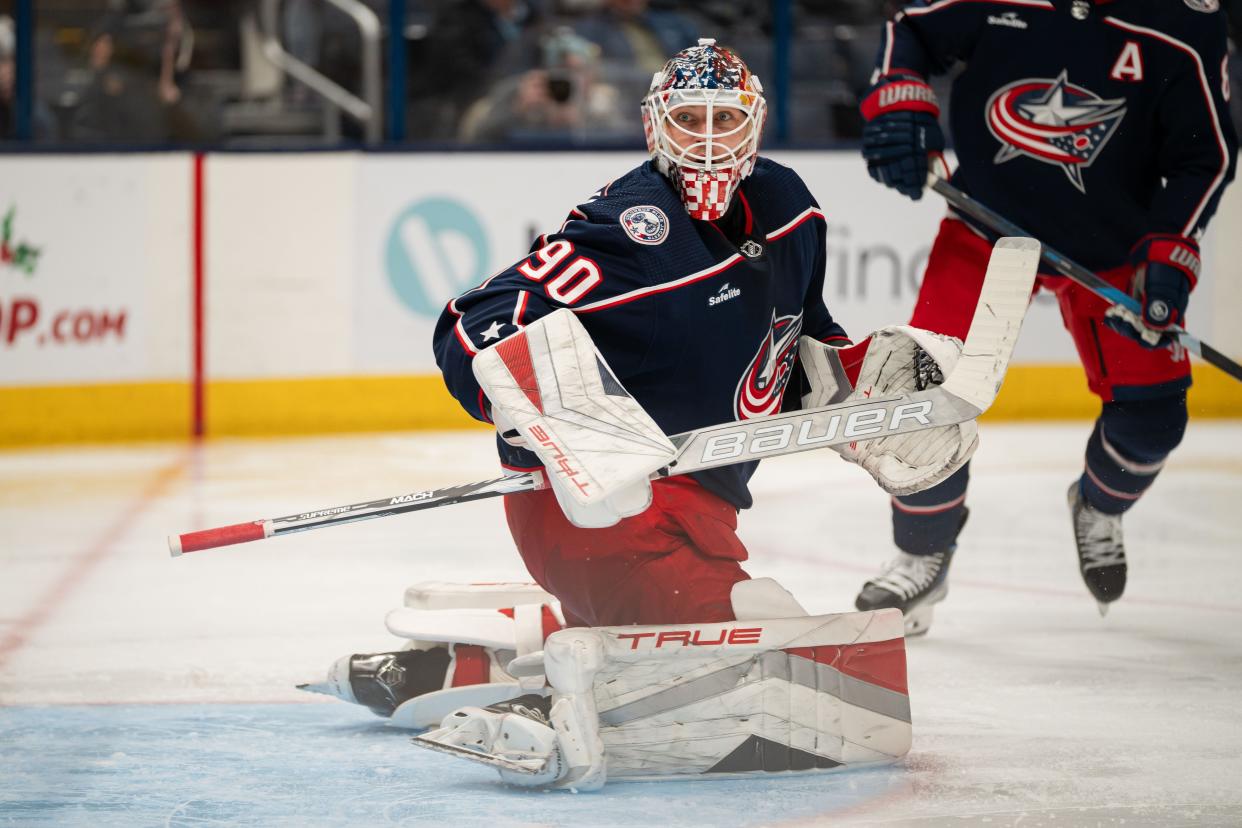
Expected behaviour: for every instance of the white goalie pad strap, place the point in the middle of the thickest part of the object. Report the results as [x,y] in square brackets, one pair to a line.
[522,632]
[571,659]
[429,709]
[430,595]
[485,627]
[552,384]
[908,463]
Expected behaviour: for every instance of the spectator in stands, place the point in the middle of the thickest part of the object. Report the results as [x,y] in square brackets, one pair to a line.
[136,59]
[42,122]
[118,105]
[466,45]
[561,100]
[630,33]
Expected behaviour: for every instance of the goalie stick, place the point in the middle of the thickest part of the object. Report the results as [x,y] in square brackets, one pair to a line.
[1077,273]
[966,392]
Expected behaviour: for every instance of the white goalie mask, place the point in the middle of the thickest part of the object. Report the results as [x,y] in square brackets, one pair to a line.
[703,117]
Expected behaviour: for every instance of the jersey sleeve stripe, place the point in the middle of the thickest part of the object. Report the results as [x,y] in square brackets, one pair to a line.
[520,308]
[624,298]
[463,338]
[1218,181]
[786,229]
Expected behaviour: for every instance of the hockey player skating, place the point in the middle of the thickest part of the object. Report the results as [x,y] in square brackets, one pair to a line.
[685,294]
[1102,128]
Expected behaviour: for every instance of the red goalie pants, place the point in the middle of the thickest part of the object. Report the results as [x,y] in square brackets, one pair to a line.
[1114,363]
[675,563]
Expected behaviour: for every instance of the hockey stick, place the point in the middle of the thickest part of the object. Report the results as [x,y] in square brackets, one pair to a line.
[966,392]
[1078,273]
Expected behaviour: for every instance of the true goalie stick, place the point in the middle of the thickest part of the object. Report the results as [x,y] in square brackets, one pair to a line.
[967,392]
[1078,273]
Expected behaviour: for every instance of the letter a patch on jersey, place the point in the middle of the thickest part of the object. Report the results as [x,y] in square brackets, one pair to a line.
[1129,65]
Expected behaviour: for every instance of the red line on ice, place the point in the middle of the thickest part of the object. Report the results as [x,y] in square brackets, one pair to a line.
[86,562]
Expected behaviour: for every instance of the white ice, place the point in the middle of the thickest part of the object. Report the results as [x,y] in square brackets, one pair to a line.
[137,689]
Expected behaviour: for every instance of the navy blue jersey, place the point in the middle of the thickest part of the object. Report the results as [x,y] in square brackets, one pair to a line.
[1087,122]
[699,324]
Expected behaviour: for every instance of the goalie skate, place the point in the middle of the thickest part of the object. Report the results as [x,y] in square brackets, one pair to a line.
[1101,549]
[514,736]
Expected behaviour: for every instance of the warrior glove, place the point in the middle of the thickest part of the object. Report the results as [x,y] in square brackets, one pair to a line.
[901,129]
[1166,269]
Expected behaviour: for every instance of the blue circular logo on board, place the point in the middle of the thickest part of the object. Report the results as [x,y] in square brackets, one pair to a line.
[436,249]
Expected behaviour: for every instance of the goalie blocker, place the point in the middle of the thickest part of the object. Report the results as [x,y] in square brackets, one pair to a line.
[809,693]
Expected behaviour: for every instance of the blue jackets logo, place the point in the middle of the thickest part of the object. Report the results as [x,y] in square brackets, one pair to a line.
[762,388]
[645,224]
[1053,121]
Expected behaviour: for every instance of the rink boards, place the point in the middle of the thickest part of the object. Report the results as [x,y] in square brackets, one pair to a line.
[147,296]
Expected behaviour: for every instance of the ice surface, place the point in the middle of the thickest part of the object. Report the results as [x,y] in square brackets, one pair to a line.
[137,689]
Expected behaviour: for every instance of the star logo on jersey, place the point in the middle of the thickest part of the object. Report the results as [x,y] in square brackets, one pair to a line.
[645,224]
[1053,121]
[493,331]
[762,388]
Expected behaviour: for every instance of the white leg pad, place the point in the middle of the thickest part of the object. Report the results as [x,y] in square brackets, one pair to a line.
[755,696]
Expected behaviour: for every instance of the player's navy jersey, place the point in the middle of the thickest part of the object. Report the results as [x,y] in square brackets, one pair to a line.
[1068,114]
[699,329]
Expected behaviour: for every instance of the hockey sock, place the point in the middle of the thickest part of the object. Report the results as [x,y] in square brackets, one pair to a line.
[1128,448]
[928,521]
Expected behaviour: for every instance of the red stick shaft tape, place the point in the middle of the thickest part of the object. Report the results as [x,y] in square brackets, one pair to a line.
[221,536]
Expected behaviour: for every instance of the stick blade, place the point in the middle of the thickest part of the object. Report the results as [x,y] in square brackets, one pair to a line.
[994,330]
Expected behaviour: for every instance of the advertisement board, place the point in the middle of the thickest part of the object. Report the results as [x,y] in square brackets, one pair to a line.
[323,275]
[95,276]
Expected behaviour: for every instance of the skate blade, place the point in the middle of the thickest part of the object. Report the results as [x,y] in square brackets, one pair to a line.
[311,687]
[529,766]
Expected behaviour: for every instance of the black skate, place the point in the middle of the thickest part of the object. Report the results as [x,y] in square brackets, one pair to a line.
[1101,549]
[384,681]
[912,584]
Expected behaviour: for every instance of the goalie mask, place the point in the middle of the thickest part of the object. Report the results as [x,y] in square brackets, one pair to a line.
[703,116]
